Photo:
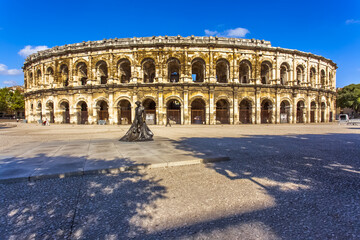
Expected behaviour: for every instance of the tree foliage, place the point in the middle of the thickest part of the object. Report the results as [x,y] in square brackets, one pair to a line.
[349,97]
[11,100]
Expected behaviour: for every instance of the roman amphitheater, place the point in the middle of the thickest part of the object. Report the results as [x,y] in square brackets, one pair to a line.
[184,80]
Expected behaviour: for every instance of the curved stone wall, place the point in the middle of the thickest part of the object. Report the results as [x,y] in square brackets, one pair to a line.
[184,80]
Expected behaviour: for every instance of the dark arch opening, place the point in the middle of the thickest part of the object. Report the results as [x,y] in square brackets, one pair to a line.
[222,112]
[300,112]
[312,112]
[285,112]
[124,114]
[174,111]
[66,112]
[83,113]
[245,112]
[103,111]
[150,111]
[198,111]
[266,111]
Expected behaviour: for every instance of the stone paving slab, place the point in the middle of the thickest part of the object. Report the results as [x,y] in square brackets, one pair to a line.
[58,159]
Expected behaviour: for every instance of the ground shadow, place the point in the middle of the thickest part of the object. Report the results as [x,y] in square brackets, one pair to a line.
[314,180]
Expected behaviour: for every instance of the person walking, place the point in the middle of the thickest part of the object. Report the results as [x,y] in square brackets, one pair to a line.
[168,122]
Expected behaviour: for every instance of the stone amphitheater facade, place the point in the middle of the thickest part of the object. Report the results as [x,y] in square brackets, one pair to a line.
[183,80]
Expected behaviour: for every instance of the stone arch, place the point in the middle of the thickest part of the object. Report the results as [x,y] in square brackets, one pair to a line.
[38,76]
[82,109]
[284,73]
[285,110]
[266,110]
[149,71]
[322,77]
[174,97]
[64,106]
[198,70]
[173,110]
[313,108]
[102,71]
[222,70]
[300,110]
[312,76]
[102,108]
[150,106]
[81,71]
[266,68]
[245,110]
[124,111]
[198,96]
[174,69]
[198,111]
[323,110]
[64,74]
[116,102]
[245,71]
[300,74]
[222,111]
[124,70]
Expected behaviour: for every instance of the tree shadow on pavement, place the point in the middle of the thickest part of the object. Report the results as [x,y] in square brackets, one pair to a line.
[313,179]
[79,207]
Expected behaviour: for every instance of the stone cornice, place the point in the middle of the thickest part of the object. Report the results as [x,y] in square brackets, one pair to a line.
[162,41]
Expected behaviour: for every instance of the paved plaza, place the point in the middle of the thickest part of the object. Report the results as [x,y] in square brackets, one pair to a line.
[281,182]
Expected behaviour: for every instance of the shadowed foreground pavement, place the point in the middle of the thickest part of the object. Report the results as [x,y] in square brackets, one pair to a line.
[276,186]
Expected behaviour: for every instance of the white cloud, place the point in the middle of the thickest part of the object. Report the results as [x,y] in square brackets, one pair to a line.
[5,71]
[10,83]
[352,21]
[236,32]
[27,50]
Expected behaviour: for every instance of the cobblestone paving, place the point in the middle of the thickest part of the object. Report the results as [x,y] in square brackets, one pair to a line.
[283,182]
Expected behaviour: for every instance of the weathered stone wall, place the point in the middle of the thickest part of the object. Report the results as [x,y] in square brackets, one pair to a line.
[299,85]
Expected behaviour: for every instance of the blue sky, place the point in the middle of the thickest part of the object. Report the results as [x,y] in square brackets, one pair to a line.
[328,28]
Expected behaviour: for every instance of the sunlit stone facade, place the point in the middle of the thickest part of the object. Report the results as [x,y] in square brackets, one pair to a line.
[186,80]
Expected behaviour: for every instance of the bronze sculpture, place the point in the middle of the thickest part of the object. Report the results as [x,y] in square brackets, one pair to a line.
[138,131]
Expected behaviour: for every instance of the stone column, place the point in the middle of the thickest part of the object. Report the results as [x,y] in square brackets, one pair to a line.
[111,108]
[186,108]
[235,106]
[277,103]
[160,113]
[294,109]
[257,106]
[212,105]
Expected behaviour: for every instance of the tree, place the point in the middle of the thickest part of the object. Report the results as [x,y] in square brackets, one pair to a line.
[11,100]
[349,97]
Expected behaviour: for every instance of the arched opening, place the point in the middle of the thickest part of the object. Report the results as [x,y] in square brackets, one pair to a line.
[150,111]
[300,112]
[284,112]
[312,111]
[266,111]
[83,113]
[49,76]
[266,67]
[64,73]
[222,71]
[31,78]
[38,77]
[124,68]
[222,112]
[312,76]
[322,78]
[299,74]
[149,70]
[50,107]
[81,70]
[284,74]
[103,110]
[198,111]
[174,70]
[245,112]
[323,107]
[64,106]
[124,112]
[198,70]
[245,71]
[102,71]
[39,111]
[174,111]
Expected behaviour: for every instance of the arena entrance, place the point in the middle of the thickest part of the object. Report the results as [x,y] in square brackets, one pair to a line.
[174,111]
[66,112]
[245,112]
[300,112]
[198,112]
[323,107]
[284,112]
[51,112]
[266,111]
[124,112]
[312,112]
[150,111]
[83,114]
[103,112]
[222,112]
